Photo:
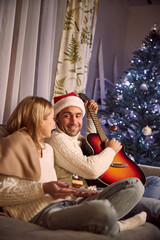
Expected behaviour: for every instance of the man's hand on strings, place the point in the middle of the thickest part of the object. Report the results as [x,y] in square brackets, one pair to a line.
[114,144]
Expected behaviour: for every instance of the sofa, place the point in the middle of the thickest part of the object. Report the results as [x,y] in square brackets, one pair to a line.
[12,229]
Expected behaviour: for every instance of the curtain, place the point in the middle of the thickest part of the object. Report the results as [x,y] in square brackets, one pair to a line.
[29,49]
[76,46]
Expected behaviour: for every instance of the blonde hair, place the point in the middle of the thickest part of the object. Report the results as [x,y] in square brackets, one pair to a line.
[29,114]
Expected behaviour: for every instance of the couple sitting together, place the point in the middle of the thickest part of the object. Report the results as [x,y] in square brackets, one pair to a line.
[37,162]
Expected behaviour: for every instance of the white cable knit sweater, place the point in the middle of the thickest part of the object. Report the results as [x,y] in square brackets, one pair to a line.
[69,157]
[23,199]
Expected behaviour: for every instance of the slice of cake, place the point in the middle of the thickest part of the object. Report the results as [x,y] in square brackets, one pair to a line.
[76,181]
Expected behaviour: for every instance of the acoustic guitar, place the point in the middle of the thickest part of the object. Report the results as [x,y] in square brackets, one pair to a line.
[122,166]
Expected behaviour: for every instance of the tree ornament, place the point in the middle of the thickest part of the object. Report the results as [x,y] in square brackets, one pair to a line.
[127,83]
[147,130]
[124,79]
[113,128]
[144,87]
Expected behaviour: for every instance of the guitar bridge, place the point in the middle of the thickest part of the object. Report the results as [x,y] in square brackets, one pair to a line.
[119,165]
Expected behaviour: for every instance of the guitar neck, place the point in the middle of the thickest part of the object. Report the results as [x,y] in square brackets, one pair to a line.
[98,125]
[95,119]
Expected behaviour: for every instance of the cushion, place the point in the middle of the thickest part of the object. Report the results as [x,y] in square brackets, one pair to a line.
[18,230]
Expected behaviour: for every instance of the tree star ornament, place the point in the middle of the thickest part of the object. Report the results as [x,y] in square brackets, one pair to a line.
[154,27]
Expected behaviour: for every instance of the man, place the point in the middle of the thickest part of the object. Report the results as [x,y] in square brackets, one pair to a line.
[66,141]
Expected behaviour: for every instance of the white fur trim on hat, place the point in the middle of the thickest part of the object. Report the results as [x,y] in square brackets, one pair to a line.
[67,102]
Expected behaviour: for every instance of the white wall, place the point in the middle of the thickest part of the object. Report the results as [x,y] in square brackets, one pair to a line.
[122,29]
[141,20]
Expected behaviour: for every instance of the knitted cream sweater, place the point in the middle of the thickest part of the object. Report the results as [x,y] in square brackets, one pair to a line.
[69,157]
[23,199]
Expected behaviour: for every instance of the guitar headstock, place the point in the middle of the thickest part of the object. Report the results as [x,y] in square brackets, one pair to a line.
[83,97]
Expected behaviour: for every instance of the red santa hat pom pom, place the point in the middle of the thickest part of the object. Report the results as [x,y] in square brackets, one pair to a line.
[67,100]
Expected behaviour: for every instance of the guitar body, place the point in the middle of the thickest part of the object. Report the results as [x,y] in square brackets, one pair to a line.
[122,166]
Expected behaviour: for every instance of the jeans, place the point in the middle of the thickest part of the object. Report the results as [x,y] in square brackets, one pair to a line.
[151,207]
[150,202]
[98,213]
[152,187]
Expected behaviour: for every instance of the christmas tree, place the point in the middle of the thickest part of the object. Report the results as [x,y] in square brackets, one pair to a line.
[132,108]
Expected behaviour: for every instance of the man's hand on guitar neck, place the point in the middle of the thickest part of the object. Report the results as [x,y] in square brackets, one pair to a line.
[114,144]
[92,105]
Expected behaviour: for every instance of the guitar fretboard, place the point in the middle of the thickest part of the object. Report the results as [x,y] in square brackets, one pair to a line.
[98,125]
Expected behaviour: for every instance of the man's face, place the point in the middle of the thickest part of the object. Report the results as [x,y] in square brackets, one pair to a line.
[69,120]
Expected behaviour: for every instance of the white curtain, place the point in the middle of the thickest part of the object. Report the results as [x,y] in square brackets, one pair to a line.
[76,46]
[30,33]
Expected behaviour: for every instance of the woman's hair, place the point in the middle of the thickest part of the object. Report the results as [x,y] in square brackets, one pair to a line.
[29,114]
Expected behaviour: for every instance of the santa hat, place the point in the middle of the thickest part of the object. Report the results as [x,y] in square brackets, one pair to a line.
[67,100]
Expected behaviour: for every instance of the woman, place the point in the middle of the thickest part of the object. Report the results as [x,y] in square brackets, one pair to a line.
[28,184]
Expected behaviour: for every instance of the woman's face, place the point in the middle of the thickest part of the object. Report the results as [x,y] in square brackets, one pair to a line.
[48,125]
